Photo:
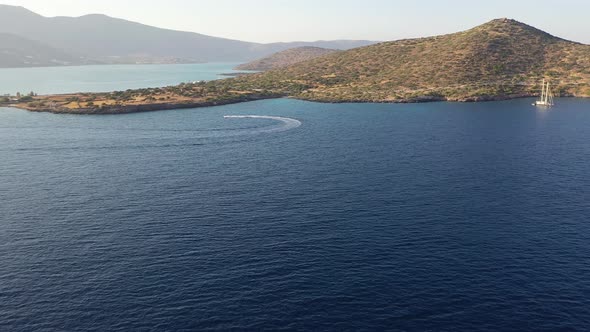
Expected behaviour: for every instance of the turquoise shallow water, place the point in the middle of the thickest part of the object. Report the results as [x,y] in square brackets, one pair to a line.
[425,217]
[49,80]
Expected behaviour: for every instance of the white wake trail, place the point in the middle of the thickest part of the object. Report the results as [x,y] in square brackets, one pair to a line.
[288,123]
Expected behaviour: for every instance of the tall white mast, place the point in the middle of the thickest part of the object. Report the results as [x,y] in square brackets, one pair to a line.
[547,95]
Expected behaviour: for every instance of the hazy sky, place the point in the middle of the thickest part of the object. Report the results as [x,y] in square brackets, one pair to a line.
[290,20]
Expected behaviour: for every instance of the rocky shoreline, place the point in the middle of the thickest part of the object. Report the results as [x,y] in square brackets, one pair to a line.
[151,107]
[430,99]
[127,109]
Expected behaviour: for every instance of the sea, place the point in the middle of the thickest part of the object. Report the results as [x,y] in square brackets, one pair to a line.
[292,215]
[107,78]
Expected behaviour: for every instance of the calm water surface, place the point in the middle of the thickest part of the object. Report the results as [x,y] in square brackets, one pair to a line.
[442,216]
[104,78]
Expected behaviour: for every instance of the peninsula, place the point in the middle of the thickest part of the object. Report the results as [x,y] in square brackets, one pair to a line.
[501,59]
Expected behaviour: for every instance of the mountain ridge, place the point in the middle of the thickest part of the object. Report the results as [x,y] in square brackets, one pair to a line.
[102,38]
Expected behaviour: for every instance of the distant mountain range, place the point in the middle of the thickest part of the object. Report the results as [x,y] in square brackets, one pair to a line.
[286,58]
[103,39]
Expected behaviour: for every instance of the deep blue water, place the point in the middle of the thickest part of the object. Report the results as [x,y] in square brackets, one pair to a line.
[441,217]
[104,78]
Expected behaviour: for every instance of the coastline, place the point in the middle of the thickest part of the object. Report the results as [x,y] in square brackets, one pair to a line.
[153,107]
[140,108]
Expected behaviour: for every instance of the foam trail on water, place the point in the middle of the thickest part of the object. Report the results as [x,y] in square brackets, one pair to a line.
[288,123]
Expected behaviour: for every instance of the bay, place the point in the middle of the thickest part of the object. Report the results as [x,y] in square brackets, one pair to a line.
[439,216]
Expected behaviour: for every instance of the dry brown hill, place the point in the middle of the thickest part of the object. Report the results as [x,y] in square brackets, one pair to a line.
[500,59]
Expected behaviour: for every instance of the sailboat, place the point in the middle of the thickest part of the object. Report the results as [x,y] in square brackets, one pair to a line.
[546,96]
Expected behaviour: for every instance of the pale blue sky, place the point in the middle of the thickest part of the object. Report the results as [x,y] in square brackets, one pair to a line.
[290,20]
